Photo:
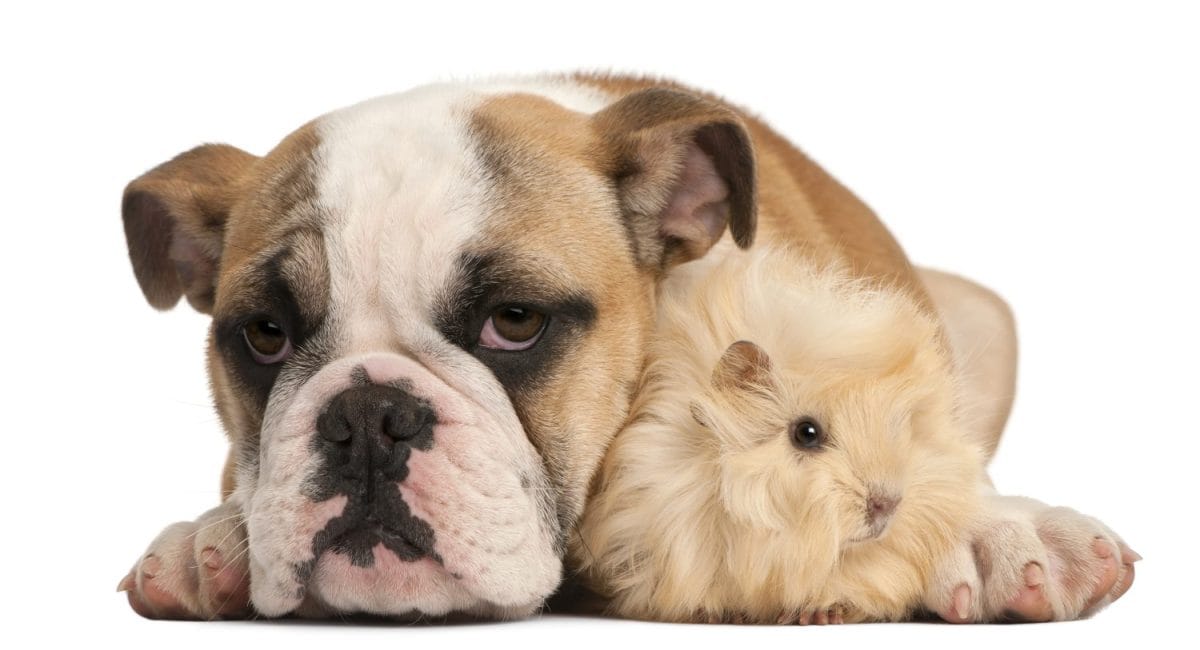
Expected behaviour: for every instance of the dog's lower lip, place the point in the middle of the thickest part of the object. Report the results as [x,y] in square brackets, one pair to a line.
[371,526]
[387,533]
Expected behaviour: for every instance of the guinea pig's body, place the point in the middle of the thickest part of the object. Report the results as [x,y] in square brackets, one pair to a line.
[793,453]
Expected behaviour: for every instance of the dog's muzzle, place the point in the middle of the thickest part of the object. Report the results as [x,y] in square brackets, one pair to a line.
[367,434]
[384,489]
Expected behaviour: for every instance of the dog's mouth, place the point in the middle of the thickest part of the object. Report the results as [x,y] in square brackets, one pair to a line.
[409,541]
[373,525]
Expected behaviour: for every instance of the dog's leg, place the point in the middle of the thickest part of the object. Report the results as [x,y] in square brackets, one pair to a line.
[194,569]
[1024,561]
[983,338]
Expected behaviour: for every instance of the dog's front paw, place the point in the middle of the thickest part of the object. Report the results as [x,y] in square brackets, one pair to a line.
[1029,562]
[194,570]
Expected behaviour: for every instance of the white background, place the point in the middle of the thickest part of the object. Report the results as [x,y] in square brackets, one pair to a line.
[1050,151]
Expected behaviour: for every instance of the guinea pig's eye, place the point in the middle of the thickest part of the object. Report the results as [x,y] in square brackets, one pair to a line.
[513,328]
[806,433]
[267,341]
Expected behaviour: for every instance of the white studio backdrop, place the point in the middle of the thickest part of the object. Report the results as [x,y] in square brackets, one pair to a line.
[1048,150]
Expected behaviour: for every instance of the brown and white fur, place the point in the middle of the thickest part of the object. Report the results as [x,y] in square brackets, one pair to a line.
[713,504]
[380,241]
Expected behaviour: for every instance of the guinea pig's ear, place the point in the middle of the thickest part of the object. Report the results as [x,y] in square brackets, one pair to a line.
[683,167]
[743,366]
[175,218]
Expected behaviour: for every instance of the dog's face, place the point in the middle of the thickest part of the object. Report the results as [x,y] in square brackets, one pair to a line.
[428,313]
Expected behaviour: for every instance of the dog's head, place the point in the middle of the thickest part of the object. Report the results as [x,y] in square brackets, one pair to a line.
[428,314]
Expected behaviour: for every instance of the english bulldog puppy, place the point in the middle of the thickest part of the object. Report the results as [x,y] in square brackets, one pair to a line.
[429,315]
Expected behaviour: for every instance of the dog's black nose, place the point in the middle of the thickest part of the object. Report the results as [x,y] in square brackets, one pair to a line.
[374,411]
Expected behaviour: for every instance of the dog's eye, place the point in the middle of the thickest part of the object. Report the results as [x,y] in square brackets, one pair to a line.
[267,341]
[512,328]
[807,434]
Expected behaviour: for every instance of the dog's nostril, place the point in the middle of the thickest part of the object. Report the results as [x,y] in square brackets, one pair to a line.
[333,427]
[396,425]
[405,424]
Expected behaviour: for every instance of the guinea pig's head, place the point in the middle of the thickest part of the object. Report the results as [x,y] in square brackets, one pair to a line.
[837,429]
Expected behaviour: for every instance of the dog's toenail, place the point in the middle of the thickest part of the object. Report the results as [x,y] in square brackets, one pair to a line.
[127,583]
[151,566]
[1129,556]
[1034,575]
[962,602]
[211,558]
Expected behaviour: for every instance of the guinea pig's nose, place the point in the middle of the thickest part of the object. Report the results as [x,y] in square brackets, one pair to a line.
[882,506]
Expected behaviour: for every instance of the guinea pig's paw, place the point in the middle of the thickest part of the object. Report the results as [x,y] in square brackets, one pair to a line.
[832,615]
[1028,562]
[194,570]
[720,618]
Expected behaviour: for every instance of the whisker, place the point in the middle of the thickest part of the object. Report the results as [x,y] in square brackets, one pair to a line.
[232,530]
[217,522]
[229,596]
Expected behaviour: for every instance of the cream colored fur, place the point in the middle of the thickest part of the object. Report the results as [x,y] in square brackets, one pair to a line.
[728,520]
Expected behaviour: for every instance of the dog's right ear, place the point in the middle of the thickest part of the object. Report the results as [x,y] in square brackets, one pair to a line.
[683,168]
[175,218]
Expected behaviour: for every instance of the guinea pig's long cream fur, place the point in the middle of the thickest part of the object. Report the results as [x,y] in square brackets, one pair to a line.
[793,454]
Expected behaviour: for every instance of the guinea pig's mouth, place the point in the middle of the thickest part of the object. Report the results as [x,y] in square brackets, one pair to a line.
[865,538]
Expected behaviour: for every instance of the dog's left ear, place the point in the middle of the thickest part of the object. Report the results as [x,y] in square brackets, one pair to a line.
[175,218]
[683,167]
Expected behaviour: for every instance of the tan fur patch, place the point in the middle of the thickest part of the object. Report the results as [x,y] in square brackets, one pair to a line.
[275,198]
[551,206]
[799,203]
[274,201]
[174,217]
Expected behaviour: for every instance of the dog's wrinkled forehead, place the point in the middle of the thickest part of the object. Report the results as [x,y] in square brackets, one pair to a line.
[406,190]
[376,212]
[402,190]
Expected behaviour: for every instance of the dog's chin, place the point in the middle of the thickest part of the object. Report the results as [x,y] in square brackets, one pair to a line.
[398,588]
[391,586]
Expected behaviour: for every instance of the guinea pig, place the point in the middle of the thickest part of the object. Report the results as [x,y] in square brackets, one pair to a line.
[792,455]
